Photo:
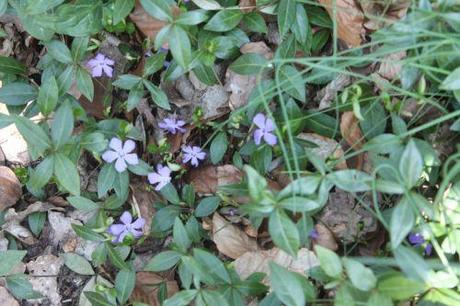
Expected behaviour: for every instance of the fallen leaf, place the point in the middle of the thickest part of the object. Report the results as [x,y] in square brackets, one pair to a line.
[144,199]
[148,25]
[6,299]
[48,267]
[13,145]
[257,261]
[10,188]
[206,179]
[257,47]
[349,20]
[327,94]
[229,239]
[247,6]
[325,238]
[147,285]
[350,130]
[327,148]
[383,13]
[391,65]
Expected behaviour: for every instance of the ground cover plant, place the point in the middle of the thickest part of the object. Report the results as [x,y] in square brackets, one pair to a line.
[216,152]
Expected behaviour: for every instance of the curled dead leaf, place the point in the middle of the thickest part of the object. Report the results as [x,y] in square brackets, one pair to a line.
[349,20]
[10,188]
[147,285]
[229,239]
[144,199]
[325,238]
[350,130]
[383,13]
[258,261]
[206,179]
[148,25]
[327,148]
[391,65]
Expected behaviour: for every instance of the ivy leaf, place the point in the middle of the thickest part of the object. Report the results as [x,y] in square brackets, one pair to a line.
[66,173]
[224,20]
[180,47]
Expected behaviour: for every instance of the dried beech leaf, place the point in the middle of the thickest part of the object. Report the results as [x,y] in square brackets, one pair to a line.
[147,284]
[351,132]
[257,261]
[229,239]
[349,20]
[327,148]
[325,238]
[383,13]
[148,25]
[145,200]
[206,179]
[10,188]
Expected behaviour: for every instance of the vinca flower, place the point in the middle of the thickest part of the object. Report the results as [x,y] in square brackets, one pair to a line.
[121,154]
[100,64]
[172,125]
[266,126]
[127,226]
[313,234]
[416,239]
[161,177]
[193,154]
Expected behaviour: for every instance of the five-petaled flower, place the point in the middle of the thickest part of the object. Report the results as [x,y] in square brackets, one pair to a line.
[99,64]
[121,153]
[127,226]
[193,154]
[161,177]
[172,125]
[266,126]
[416,239]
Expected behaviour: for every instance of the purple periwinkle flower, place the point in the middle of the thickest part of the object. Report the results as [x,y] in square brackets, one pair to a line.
[99,64]
[428,249]
[313,234]
[193,154]
[172,125]
[127,226]
[121,153]
[416,239]
[265,128]
[161,177]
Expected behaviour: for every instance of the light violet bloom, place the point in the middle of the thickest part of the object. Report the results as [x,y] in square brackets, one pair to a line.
[265,128]
[99,64]
[172,125]
[161,177]
[121,153]
[193,154]
[127,226]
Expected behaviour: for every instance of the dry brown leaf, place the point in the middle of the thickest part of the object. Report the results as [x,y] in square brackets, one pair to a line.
[329,93]
[148,25]
[206,179]
[391,65]
[383,13]
[351,132]
[10,188]
[6,299]
[327,148]
[258,261]
[147,288]
[349,20]
[145,200]
[13,145]
[247,6]
[325,238]
[46,266]
[229,239]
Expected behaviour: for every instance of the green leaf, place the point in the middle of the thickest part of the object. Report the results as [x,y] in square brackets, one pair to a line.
[351,180]
[97,299]
[41,175]
[402,221]
[192,17]
[287,285]
[283,232]
[17,94]
[67,174]
[33,134]
[9,259]
[205,74]
[219,146]
[180,235]
[87,233]
[212,264]
[164,218]
[48,95]
[94,142]
[10,65]
[65,80]
[255,22]
[163,261]
[105,180]
[154,63]
[82,203]
[379,299]
[59,51]
[209,5]
[62,125]
[207,206]
[124,285]
[301,26]
[411,165]
[250,63]
[170,193]
[292,82]
[41,6]
[213,297]
[181,298]
[224,20]
[141,168]
[159,9]
[115,258]
[158,96]
[286,15]
[411,263]
[79,47]
[121,9]
[398,287]
[36,222]
[134,97]
[375,119]
[85,83]
[20,287]
[128,81]
[180,47]
[329,261]
[3,7]
[77,263]
[452,81]
[361,277]
[5,120]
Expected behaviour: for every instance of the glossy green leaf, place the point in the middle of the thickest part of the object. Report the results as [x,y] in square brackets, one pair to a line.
[9,260]
[224,20]
[82,203]
[402,221]
[85,83]
[250,63]
[452,81]
[124,284]
[87,233]
[287,285]
[160,9]
[180,46]
[59,51]
[361,277]
[163,261]
[255,22]
[411,165]
[158,96]
[33,134]
[66,173]
[286,15]
[9,64]
[283,232]
[329,261]
[41,175]
[192,17]
[121,9]
[20,287]
[17,94]
[48,96]
[207,206]
[292,82]
[218,148]
[180,235]
[77,263]
[62,125]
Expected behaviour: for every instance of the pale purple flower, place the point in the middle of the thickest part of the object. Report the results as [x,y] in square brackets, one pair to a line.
[265,128]
[193,154]
[161,177]
[428,249]
[416,239]
[99,64]
[121,153]
[313,234]
[127,226]
[172,125]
